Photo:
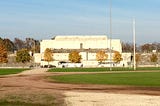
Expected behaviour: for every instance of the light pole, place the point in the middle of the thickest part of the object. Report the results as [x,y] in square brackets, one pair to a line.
[110,35]
[134,43]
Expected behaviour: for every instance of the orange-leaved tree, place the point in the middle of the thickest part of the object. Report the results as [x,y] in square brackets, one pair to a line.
[117,57]
[138,58]
[3,54]
[154,58]
[101,56]
[75,57]
[48,55]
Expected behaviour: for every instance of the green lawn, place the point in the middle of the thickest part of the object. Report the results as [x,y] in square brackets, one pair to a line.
[127,78]
[99,69]
[10,71]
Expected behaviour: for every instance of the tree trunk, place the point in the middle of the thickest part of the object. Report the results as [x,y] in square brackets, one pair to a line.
[48,64]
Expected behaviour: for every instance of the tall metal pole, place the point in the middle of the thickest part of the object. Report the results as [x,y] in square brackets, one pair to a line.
[110,35]
[134,43]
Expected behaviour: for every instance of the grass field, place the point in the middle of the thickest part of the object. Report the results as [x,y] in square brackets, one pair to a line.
[127,78]
[28,100]
[10,71]
[99,69]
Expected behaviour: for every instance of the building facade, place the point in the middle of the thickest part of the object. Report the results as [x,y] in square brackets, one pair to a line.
[86,45]
[81,42]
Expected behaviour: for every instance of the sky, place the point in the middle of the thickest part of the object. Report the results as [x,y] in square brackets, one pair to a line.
[43,19]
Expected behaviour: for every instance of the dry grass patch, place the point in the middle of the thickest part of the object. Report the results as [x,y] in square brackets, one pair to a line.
[29,99]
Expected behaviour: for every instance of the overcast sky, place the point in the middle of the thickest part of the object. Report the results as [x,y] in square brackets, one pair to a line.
[42,19]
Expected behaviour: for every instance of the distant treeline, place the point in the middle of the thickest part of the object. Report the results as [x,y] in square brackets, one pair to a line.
[34,45]
[17,44]
[145,48]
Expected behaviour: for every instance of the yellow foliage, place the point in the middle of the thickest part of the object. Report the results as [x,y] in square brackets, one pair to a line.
[74,57]
[101,56]
[138,58]
[117,57]
[48,55]
[154,58]
[3,54]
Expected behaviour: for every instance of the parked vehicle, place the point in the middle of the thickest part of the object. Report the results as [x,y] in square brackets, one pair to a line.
[48,66]
[63,64]
[106,64]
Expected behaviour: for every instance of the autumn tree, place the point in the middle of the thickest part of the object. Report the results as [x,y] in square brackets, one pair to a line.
[101,56]
[117,57]
[75,57]
[138,58]
[154,58]
[9,45]
[3,54]
[48,55]
[1,40]
[23,56]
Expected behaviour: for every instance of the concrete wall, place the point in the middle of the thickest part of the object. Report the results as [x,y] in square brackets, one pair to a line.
[126,62]
[87,60]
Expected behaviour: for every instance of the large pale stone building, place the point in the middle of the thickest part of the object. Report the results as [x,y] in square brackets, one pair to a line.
[81,42]
[87,45]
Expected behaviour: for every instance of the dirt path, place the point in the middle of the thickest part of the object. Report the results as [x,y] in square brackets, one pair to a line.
[110,99]
[34,71]
[33,81]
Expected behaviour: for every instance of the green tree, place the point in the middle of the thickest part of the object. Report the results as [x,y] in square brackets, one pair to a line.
[154,58]
[3,54]
[101,56]
[23,56]
[75,57]
[48,55]
[117,57]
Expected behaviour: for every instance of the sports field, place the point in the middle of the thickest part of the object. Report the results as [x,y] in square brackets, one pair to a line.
[103,69]
[125,78]
[8,71]
[33,87]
